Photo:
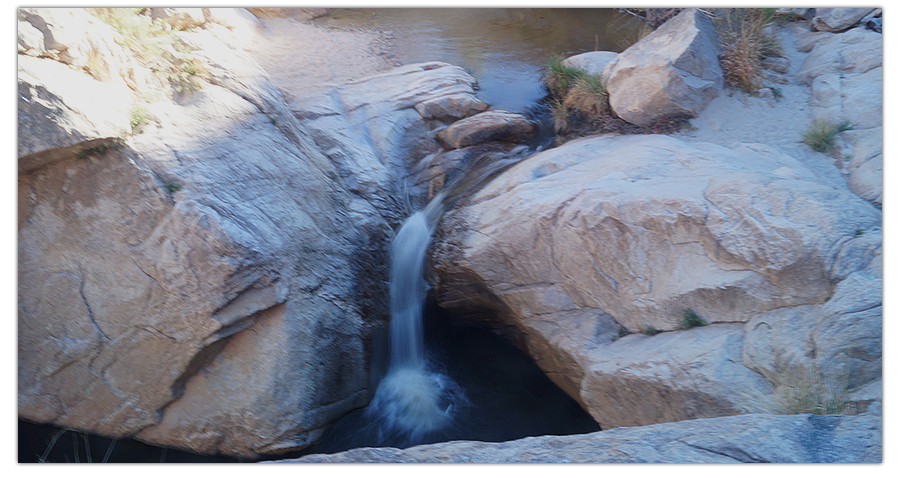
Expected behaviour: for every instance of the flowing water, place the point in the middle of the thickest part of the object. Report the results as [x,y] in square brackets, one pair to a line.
[467,384]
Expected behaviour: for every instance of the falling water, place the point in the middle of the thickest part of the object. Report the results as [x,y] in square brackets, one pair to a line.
[414,399]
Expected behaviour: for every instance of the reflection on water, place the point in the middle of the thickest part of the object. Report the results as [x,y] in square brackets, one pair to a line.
[505,48]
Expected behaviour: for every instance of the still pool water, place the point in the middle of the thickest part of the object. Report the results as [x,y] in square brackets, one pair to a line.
[505,48]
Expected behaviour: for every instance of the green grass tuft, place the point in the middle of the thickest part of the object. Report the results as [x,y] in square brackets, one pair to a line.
[821,135]
[691,320]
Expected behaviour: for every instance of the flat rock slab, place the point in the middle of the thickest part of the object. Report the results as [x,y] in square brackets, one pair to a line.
[741,439]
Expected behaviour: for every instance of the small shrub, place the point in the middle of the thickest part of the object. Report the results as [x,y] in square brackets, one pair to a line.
[821,135]
[100,148]
[138,118]
[173,187]
[745,43]
[155,44]
[805,389]
[588,96]
[649,330]
[559,78]
[623,332]
[691,320]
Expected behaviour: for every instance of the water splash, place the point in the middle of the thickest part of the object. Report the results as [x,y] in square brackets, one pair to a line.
[413,399]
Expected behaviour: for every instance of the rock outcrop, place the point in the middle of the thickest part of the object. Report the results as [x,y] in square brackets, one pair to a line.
[741,439]
[838,19]
[846,78]
[673,71]
[643,228]
[212,282]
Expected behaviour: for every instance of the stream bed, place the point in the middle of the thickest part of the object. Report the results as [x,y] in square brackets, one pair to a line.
[506,49]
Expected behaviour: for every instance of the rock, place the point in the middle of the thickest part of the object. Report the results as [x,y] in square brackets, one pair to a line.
[670,377]
[592,62]
[848,335]
[862,99]
[856,51]
[641,228]
[867,180]
[838,19]
[59,115]
[295,13]
[179,18]
[451,107]
[776,64]
[754,438]
[672,71]
[213,283]
[494,125]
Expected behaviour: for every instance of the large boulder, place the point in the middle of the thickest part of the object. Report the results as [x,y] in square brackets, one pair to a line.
[743,439]
[643,229]
[213,283]
[673,71]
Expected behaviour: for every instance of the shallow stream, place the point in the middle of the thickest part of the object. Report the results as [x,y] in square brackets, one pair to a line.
[506,49]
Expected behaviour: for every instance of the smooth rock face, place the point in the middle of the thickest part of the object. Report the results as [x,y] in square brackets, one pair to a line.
[838,19]
[856,51]
[742,439]
[672,71]
[494,125]
[212,283]
[642,228]
[592,62]
[669,377]
[847,82]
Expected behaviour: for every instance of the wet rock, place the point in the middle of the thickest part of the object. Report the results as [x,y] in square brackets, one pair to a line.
[754,438]
[838,19]
[494,125]
[672,71]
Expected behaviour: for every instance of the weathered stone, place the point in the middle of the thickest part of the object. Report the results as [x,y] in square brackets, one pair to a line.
[592,62]
[848,335]
[754,438]
[494,125]
[862,99]
[451,107]
[641,228]
[670,377]
[211,284]
[838,19]
[856,51]
[776,64]
[672,71]
[57,113]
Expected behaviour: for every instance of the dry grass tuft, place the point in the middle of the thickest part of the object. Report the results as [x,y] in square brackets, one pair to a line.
[745,44]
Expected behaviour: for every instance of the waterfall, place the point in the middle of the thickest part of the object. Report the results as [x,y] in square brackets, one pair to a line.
[413,399]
